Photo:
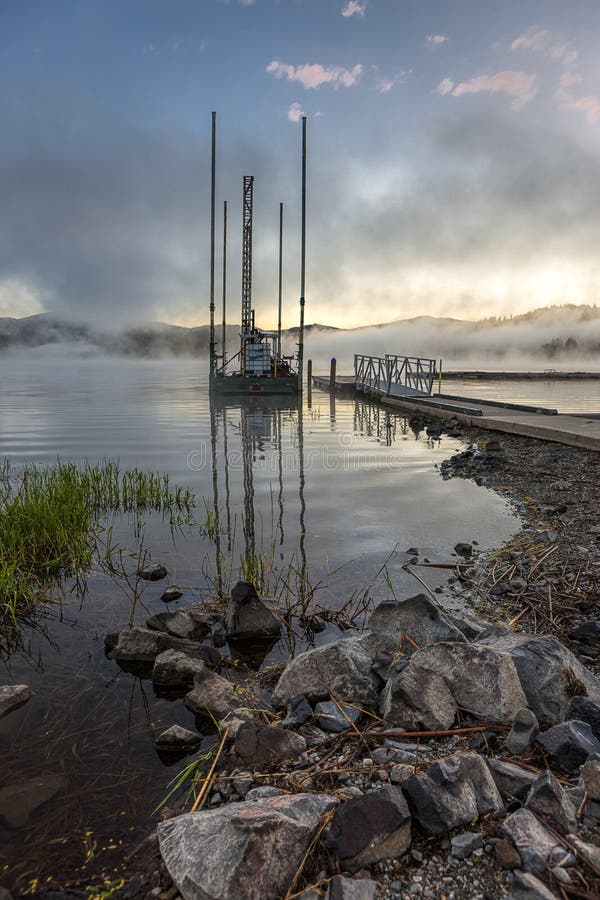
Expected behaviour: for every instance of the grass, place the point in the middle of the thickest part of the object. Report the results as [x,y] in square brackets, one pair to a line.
[51,518]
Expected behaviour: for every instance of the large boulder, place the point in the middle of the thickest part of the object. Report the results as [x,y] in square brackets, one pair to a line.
[482,680]
[312,673]
[418,699]
[550,674]
[417,618]
[142,645]
[242,851]
[212,696]
[370,828]
[452,792]
[250,617]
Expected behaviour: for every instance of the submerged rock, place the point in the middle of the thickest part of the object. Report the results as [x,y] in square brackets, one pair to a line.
[153,572]
[173,592]
[12,696]
[242,851]
[452,792]
[417,618]
[482,680]
[367,829]
[550,674]
[250,617]
[19,801]
[177,736]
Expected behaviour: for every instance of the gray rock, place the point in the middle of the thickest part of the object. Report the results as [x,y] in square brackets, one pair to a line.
[331,718]
[298,712]
[189,624]
[19,801]
[464,844]
[142,645]
[174,669]
[417,618]
[400,774]
[311,673]
[264,792]
[250,617]
[241,851]
[263,747]
[590,775]
[452,792]
[12,696]
[481,679]
[547,799]
[587,632]
[212,695]
[510,779]
[523,733]
[355,689]
[463,549]
[153,572]
[550,674]
[569,744]
[585,710]
[538,847]
[468,624]
[177,736]
[588,851]
[418,699]
[367,829]
[526,886]
[341,888]
[173,592]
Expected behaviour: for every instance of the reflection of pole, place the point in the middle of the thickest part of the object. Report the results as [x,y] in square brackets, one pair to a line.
[280,471]
[301,496]
[302,259]
[280,293]
[227,491]
[309,383]
[215,482]
[224,326]
[249,532]
[212,245]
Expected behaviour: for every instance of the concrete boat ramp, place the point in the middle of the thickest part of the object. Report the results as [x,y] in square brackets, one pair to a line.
[510,418]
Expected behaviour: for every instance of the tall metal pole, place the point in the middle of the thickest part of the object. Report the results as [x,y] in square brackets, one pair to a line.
[302,259]
[212,244]
[224,326]
[280,279]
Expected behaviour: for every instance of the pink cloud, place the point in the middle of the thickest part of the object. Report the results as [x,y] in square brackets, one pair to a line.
[589,106]
[295,112]
[384,85]
[444,87]
[354,8]
[568,79]
[535,38]
[435,40]
[519,85]
[312,76]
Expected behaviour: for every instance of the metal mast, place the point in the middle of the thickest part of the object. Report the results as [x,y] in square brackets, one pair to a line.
[211,348]
[302,259]
[247,255]
[224,324]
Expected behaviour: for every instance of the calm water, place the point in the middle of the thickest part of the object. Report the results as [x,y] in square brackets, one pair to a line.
[568,396]
[335,489]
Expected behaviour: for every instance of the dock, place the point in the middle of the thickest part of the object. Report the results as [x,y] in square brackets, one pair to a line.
[496,415]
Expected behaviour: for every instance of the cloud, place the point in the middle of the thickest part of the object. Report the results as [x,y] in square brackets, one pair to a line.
[295,112]
[566,53]
[444,87]
[313,75]
[568,79]
[435,40]
[535,38]
[354,8]
[519,85]
[589,106]
[384,85]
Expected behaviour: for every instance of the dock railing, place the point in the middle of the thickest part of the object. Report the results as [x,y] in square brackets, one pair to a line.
[394,375]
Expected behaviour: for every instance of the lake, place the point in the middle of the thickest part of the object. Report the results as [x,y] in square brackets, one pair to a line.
[336,490]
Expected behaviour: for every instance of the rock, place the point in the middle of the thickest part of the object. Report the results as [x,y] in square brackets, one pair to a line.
[569,744]
[511,780]
[452,792]
[463,549]
[19,801]
[264,792]
[341,888]
[587,632]
[176,736]
[331,716]
[523,732]
[400,774]
[588,851]
[418,699]
[142,645]
[173,592]
[153,572]
[590,774]
[212,695]
[586,710]
[172,668]
[241,851]
[298,712]
[549,673]
[482,680]
[12,696]
[369,828]
[526,886]
[355,689]
[506,855]
[312,672]
[538,847]
[262,747]
[468,624]
[417,618]
[250,617]
[189,624]
[548,800]
[464,844]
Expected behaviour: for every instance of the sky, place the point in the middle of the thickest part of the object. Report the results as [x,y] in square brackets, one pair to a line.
[453,155]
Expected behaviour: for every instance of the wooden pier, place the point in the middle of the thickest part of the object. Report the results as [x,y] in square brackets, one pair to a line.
[511,418]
